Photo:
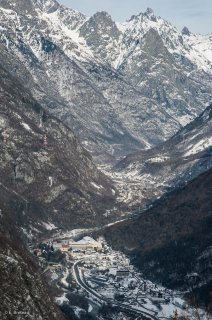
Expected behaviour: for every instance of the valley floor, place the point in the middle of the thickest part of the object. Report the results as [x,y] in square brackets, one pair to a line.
[136,192]
[92,271]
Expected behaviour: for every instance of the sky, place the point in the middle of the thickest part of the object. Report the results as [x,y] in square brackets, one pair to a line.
[195,14]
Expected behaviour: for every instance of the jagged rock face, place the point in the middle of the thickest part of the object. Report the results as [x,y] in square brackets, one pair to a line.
[29,6]
[115,84]
[43,165]
[186,32]
[150,67]
[101,35]
[24,292]
[23,6]
[47,181]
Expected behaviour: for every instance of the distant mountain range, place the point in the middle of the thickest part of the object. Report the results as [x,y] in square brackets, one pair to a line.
[120,86]
[132,98]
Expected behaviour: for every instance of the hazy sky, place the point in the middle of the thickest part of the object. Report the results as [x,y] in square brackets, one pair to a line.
[195,14]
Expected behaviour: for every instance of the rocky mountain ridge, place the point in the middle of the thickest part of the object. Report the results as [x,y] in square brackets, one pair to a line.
[44,165]
[24,292]
[48,181]
[121,87]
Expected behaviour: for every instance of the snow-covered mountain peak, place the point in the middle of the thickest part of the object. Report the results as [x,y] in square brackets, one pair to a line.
[154,89]
[102,36]
[194,48]
[67,17]
[186,32]
[140,24]
[100,24]
[33,20]
[46,5]
[150,14]
[101,15]
[108,41]
[30,6]
[19,6]
[41,9]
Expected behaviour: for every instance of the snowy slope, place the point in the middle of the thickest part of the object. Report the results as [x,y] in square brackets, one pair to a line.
[43,166]
[121,87]
[196,48]
[145,175]
[200,49]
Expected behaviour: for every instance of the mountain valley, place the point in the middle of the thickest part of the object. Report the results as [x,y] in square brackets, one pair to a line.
[172,240]
[105,134]
[142,71]
[146,175]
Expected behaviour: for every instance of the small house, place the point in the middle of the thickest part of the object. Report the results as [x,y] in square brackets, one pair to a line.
[122,273]
[65,247]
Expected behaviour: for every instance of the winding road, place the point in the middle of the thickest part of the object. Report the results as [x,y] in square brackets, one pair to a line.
[80,280]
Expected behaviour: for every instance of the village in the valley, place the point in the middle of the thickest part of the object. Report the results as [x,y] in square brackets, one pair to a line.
[91,269]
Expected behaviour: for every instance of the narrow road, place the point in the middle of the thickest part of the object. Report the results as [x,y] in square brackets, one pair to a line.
[81,282]
[79,278]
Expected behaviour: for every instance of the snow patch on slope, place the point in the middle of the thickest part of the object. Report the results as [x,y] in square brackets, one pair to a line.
[200,146]
[196,48]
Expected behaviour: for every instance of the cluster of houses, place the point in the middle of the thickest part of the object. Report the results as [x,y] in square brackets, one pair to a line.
[47,251]
[120,272]
[84,245]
